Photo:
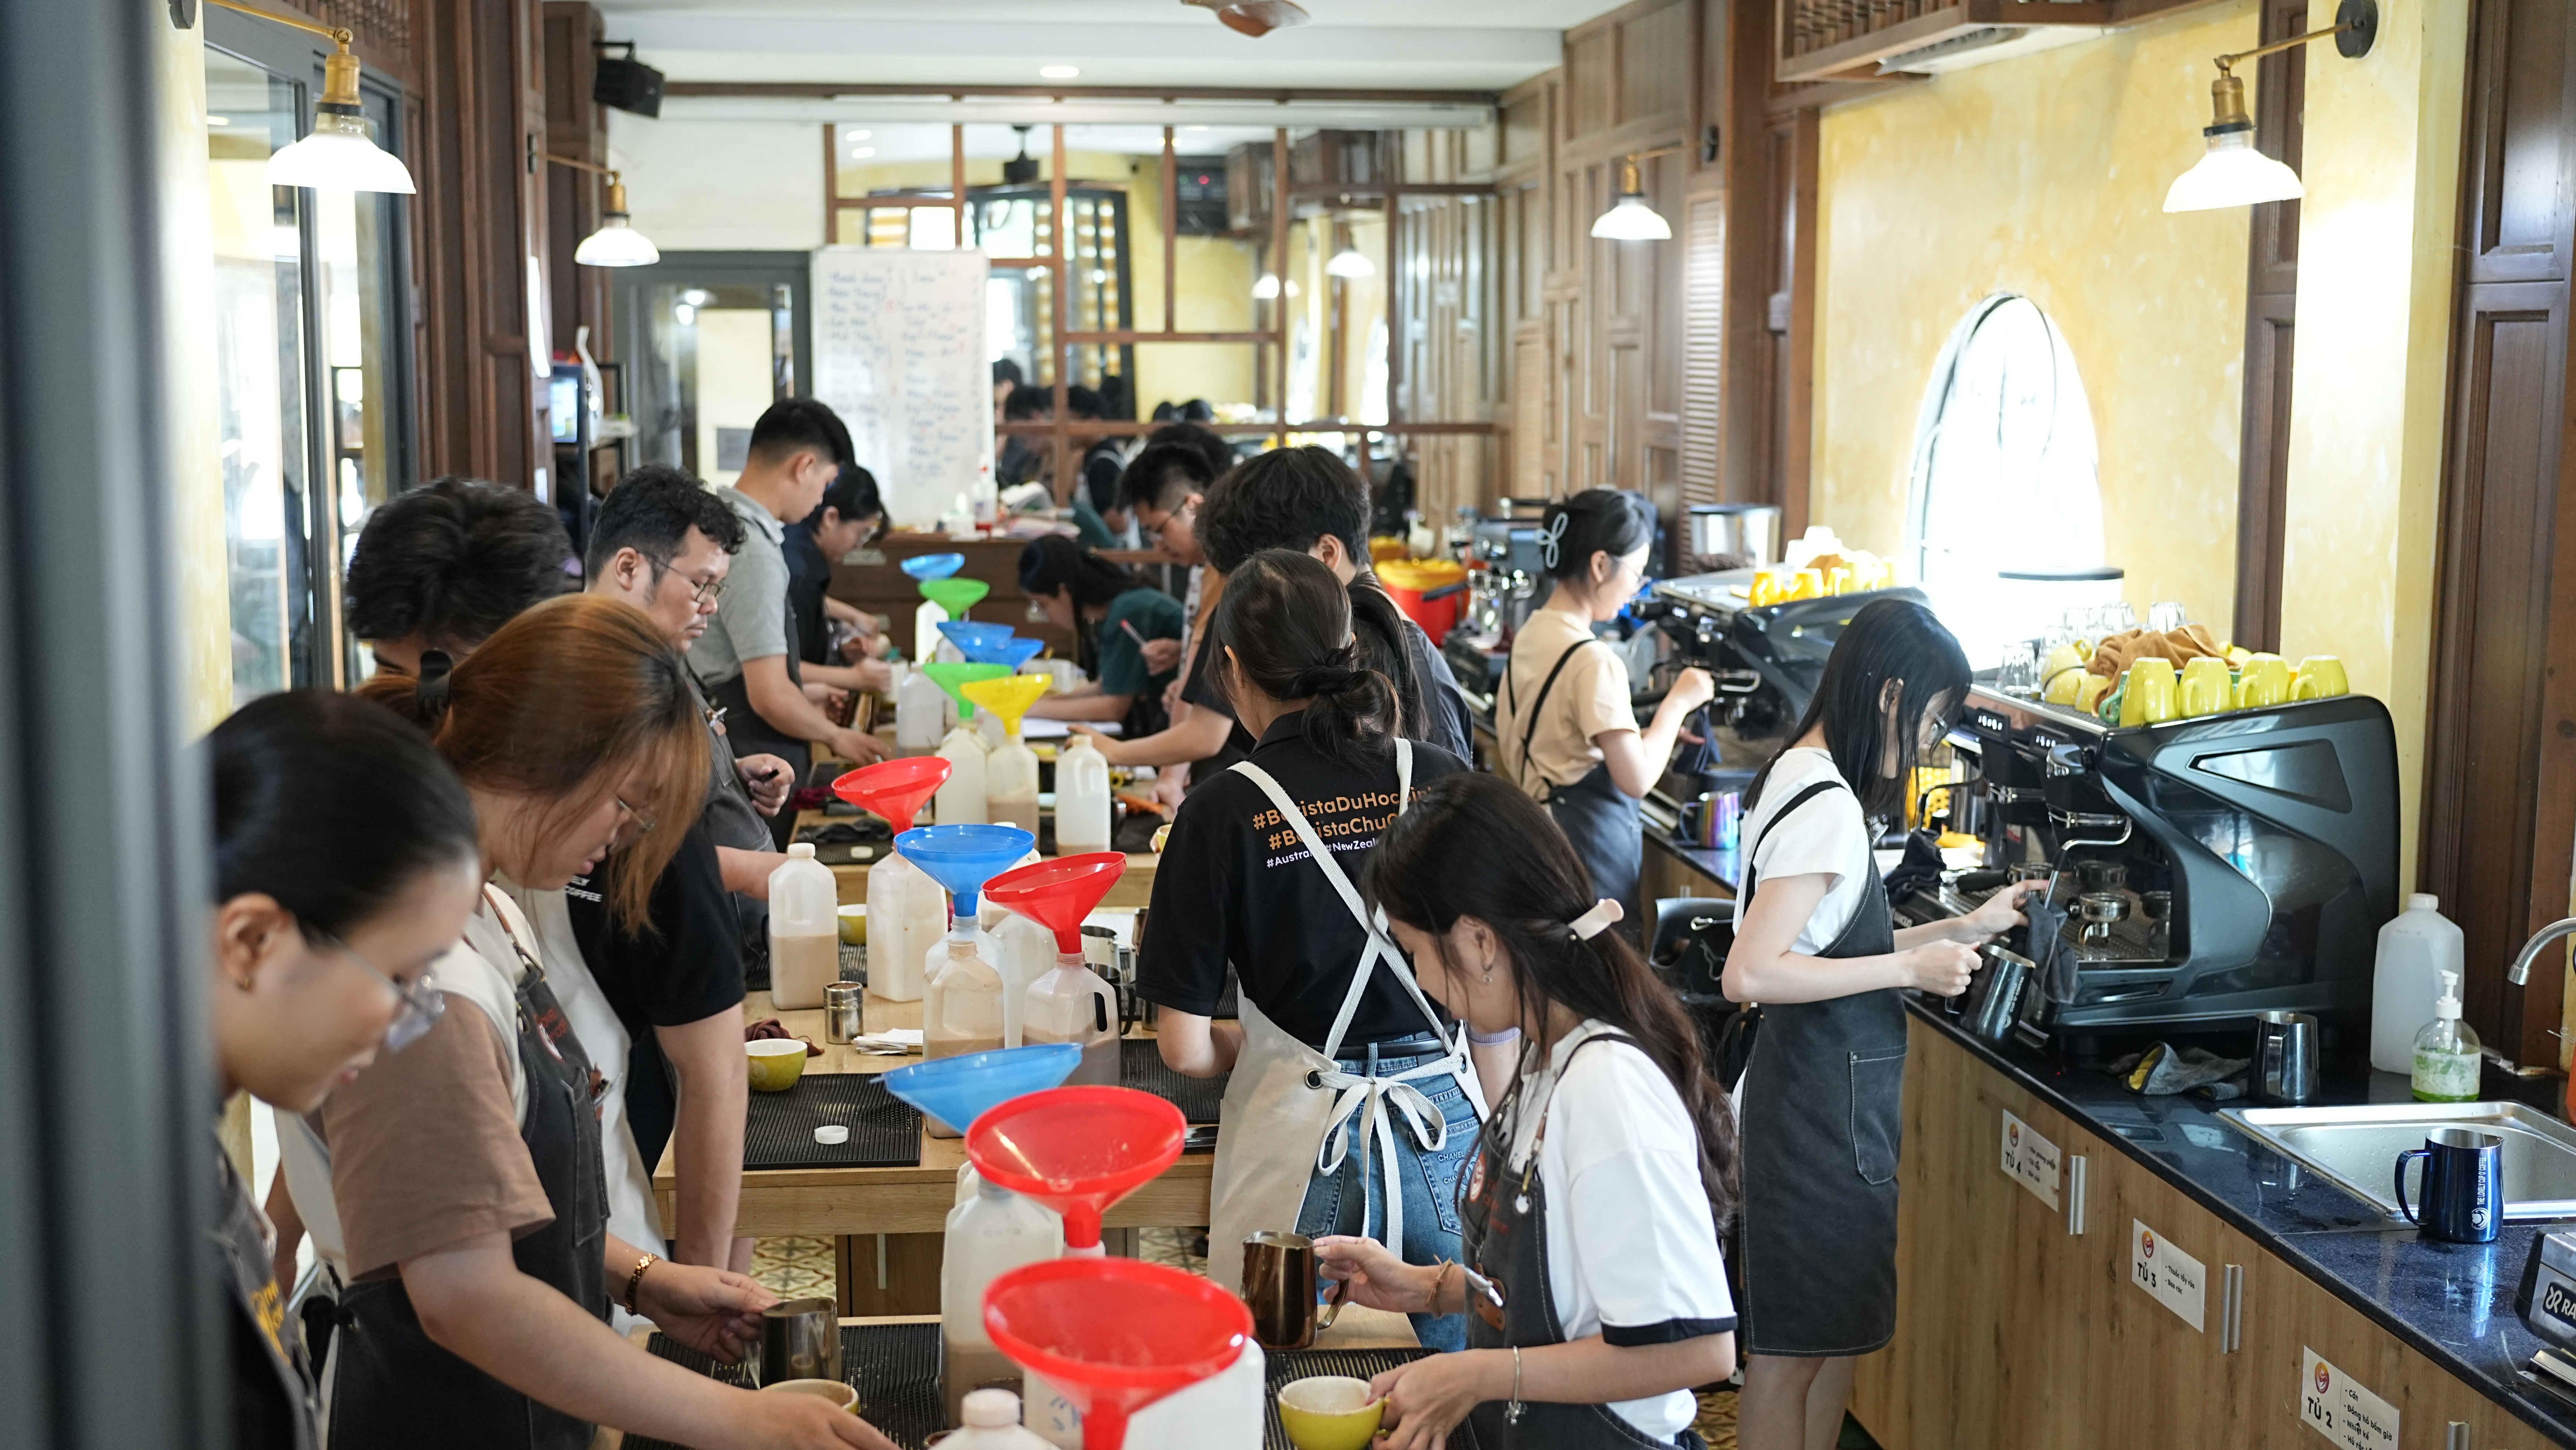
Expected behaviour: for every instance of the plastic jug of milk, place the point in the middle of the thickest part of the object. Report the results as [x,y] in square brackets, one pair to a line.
[804,929]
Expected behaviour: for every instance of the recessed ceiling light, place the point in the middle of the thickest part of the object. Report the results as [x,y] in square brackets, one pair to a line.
[861,135]
[1059,72]
[1194,128]
[856,152]
[219,120]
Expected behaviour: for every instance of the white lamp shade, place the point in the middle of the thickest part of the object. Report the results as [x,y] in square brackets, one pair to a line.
[616,244]
[339,155]
[1631,220]
[2233,173]
[1349,263]
[1267,288]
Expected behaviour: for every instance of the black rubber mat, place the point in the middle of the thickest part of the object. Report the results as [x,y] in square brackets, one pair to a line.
[1140,1066]
[884,1131]
[895,1368]
[1288,1366]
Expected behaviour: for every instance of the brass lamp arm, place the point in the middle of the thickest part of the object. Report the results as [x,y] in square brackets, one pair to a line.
[340,35]
[2226,62]
[580,165]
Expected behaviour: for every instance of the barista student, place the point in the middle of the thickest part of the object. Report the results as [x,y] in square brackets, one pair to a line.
[1115,616]
[1564,729]
[1352,1104]
[345,864]
[1816,948]
[1601,1177]
[850,514]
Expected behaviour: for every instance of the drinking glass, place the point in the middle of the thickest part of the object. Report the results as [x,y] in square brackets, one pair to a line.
[2166,617]
[2018,674]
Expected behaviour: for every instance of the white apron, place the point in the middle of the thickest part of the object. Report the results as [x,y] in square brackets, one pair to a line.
[1289,1109]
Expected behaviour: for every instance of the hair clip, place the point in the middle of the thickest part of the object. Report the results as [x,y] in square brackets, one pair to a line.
[1550,536]
[431,691]
[1600,918]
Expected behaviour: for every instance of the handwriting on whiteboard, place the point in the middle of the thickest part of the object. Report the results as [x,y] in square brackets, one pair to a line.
[900,354]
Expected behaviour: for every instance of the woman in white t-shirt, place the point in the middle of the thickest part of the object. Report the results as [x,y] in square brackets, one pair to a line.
[1816,948]
[1596,1292]
[1564,728]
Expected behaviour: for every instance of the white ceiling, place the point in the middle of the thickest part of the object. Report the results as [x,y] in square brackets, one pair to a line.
[1369,44]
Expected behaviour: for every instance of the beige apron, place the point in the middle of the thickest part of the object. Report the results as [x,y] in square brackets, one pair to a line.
[1291,1112]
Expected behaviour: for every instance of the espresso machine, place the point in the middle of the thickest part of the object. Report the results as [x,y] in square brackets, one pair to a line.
[1506,579]
[2208,869]
[1766,661]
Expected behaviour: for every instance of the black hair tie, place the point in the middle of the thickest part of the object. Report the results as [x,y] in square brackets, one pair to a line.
[431,692]
[1324,680]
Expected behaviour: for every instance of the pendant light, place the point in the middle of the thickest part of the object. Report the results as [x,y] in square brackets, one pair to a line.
[340,152]
[616,243]
[1630,219]
[1348,263]
[2231,172]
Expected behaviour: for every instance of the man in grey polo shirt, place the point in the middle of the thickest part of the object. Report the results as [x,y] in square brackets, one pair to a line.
[748,659]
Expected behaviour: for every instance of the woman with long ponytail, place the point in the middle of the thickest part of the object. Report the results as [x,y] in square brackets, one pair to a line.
[1349,1109]
[1604,1174]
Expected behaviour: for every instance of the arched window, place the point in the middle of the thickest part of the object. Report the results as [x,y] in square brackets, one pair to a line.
[2005,474]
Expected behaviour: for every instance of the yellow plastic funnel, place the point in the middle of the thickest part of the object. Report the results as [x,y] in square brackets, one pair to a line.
[954,678]
[1009,697]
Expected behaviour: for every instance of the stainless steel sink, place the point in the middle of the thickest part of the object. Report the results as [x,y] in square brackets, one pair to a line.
[2357,1148]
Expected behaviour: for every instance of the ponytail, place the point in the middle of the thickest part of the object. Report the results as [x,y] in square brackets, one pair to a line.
[1380,629]
[1283,627]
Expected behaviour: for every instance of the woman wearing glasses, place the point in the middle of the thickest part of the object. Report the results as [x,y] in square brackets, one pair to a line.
[345,863]
[1564,728]
[466,1203]
[1590,1266]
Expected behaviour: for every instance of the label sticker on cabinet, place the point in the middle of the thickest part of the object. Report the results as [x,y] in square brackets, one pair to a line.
[2336,1406]
[2172,1276]
[2030,1160]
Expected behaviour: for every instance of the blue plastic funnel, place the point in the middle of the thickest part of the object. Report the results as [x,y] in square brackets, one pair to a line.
[959,1090]
[1013,652]
[933,566]
[963,858]
[969,634]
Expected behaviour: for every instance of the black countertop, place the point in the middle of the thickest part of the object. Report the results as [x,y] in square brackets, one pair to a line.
[2452,1303]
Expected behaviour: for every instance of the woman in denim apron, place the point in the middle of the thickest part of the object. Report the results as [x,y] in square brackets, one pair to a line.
[1593,765]
[1591,1275]
[1817,954]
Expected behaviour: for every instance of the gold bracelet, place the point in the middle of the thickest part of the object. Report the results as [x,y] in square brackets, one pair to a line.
[635,1280]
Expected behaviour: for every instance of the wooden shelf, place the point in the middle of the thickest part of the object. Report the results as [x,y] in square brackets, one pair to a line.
[1865,32]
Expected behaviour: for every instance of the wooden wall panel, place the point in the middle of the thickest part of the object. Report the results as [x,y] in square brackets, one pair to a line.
[2499,818]
[576,126]
[2271,309]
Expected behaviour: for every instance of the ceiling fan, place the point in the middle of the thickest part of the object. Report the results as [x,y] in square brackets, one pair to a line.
[1256,18]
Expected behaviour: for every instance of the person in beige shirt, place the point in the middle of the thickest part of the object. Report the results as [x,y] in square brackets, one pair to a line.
[1563,727]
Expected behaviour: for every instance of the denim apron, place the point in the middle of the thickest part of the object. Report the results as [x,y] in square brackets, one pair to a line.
[276,1405]
[394,1388]
[1822,1111]
[1601,821]
[1507,1242]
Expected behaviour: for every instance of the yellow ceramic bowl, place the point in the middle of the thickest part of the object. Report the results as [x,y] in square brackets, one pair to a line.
[775,1064]
[854,924]
[1329,1412]
[845,1396]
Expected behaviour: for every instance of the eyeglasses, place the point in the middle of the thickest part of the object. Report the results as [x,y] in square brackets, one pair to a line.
[421,1002]
[642,820]
[699,593]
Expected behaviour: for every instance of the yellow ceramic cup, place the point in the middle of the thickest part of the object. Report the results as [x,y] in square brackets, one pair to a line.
[1807,584]
[1769,587]
[2208,687]
[2321,677]
[854,924]
[2151,693]
[2089,691]
[2063,685]
[1838,580]
[845,1396]
[1329,1412]
[2264,684]
[775,1063]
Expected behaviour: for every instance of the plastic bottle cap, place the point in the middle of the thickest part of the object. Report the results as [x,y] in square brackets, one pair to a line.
[2423,901]
[990,1409]
[801,851]
[831,1135]
[2448,1005]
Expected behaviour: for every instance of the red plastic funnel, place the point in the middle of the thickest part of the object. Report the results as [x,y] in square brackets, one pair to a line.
[1058,894]
[894,789]
[1114,1334]
[1077,1150]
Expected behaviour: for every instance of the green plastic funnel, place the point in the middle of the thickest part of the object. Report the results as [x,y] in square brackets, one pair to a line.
[955,595]
[955,677]
[1009,696]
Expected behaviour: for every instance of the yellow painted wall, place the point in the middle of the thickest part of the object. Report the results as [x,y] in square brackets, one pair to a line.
[2367,398]
[2045,176]
[196,473]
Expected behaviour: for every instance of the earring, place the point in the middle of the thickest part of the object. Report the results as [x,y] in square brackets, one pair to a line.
[242,983]
[1489,972]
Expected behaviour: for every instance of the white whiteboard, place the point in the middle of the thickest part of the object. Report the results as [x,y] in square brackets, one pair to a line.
[899,353]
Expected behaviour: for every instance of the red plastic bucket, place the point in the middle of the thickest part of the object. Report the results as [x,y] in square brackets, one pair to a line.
[1427,590]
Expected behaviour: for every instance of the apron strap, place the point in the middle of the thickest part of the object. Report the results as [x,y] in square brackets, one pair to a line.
[1751,878]
[1529,727]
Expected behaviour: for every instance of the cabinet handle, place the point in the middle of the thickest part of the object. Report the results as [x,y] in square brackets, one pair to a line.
[2231,1312]
[2075,1196]
[2455,1435]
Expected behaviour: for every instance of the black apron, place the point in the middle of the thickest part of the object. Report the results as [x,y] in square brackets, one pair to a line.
[273,1407]
[1601,820]
[749,734]
[394,1388]
[1506,1240]
[1823,1109]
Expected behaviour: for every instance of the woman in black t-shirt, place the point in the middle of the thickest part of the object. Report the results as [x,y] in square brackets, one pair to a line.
[1352,1105]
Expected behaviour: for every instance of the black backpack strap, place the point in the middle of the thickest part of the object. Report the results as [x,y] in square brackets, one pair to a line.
[1529,725]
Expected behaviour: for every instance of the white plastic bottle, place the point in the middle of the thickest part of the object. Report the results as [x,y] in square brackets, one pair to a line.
[926,637]
[992,1422]
[2446,1052]
[987,1236]
[907,913]
[1011,783]
[804,929]
[962,1010]
[1225,1411]
[1028,953]
[1072,1004]
[961,800]
[1081,798]
[2415,949]
[920,712]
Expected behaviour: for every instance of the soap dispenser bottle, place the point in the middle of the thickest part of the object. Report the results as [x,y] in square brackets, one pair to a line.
[2446,1052]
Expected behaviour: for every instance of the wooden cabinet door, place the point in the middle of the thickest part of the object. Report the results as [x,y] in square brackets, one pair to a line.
[2149,1376]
